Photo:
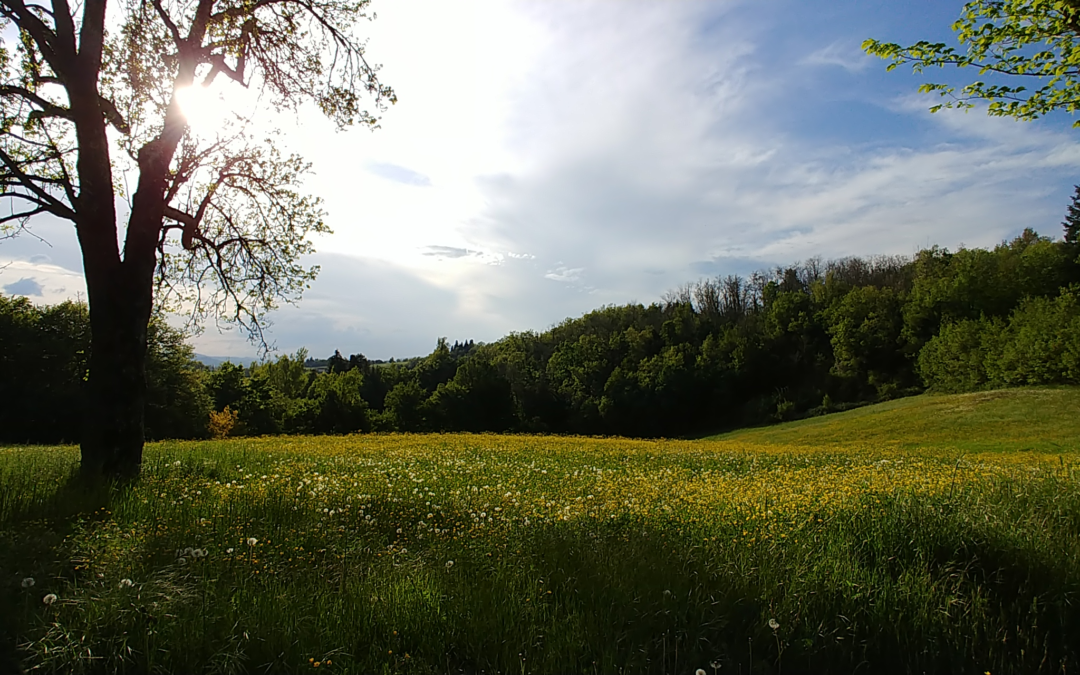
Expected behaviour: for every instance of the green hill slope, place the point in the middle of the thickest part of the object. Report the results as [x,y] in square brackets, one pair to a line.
[1043,419]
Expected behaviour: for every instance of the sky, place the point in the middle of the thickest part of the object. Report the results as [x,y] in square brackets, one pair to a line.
[549,157]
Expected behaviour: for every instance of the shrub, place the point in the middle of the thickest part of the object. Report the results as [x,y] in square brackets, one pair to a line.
[222,423]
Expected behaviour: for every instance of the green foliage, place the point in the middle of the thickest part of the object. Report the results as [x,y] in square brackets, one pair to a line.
[340,405]
[973,283]
[44,356]
[865,327]
[1072,220]
[1013,38]
[1039,343]
[177,399]
[405,406]
[478,398]
[955,360]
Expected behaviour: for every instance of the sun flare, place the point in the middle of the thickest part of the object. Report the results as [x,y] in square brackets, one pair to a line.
[205,109]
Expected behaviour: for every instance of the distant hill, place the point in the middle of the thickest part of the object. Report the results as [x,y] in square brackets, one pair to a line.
[1046,419]
[215,361]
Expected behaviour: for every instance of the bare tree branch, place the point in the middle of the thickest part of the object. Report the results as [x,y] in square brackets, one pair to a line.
[27,182]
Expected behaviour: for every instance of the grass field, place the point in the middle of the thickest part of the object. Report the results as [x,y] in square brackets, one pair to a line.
[1041,419]
[930,535]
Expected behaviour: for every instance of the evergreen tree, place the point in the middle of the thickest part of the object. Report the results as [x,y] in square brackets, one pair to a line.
[1072,220]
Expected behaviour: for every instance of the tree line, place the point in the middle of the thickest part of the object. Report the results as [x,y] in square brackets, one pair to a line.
[805,339]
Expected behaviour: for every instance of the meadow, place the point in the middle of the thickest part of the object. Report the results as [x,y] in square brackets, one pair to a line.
[827,546]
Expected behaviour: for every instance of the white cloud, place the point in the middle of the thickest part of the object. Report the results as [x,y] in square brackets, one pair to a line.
[565,274]
[41,282]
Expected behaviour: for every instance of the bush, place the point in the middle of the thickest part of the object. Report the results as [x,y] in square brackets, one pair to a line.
[1041,344]
[222,423]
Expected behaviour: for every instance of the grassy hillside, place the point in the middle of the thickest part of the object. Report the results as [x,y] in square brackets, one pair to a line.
[1041,419]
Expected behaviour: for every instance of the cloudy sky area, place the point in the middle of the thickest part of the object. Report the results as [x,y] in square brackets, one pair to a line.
[549,157]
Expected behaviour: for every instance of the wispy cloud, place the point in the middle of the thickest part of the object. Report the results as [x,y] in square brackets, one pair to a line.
[398,174]
[449,252]
[565,274]
[843,54]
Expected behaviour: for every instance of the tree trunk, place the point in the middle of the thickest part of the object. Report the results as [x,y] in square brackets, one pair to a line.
[120,304]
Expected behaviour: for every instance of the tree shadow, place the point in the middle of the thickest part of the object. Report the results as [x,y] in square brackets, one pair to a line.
[33,536]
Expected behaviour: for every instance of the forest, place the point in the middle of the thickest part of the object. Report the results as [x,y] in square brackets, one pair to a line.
[790,342]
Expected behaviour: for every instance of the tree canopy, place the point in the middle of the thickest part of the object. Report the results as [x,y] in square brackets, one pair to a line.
[215,224]
[1035,39]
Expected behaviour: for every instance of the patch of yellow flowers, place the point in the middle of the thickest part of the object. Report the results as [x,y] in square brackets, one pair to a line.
[414,490]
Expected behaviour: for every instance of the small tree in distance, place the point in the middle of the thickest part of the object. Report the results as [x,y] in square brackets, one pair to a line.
[1072,219]
[222,423]
[216,225]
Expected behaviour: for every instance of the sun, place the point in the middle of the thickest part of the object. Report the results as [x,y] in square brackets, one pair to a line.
[204,108]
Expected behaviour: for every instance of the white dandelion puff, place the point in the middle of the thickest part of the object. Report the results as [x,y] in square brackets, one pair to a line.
[252,541]
[28,582]
[50,598]
[773,624]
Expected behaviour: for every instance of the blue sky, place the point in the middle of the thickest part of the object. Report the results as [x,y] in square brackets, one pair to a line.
[550,157]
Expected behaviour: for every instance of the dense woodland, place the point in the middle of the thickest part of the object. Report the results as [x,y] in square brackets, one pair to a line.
[778,344]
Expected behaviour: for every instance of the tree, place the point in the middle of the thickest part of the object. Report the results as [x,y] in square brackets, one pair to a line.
[215,225]
[1022,38]
[177,401]
[43,362]
[1072,220]
[337,363]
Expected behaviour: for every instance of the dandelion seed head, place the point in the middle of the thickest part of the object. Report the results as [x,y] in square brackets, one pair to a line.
[252,541]
[28,582]
[773,624]
[50,598]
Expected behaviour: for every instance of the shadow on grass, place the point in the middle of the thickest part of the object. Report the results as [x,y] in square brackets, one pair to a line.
[909,588]
[33,535]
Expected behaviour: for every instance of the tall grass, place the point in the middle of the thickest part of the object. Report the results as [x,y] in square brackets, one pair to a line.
[466,553]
